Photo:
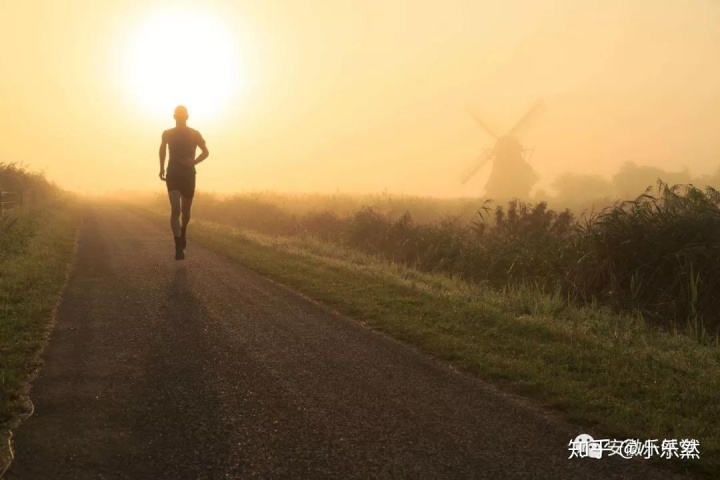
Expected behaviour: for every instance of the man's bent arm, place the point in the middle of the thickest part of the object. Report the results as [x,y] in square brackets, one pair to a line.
[203,155]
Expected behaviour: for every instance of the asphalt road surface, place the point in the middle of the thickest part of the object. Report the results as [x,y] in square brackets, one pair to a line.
[203,369]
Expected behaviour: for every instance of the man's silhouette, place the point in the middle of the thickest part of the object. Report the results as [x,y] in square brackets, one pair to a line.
[180,178]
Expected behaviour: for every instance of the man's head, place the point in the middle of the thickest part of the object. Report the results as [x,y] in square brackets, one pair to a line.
[181,113]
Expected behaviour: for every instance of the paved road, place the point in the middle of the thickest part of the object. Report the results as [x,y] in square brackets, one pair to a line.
[203,369]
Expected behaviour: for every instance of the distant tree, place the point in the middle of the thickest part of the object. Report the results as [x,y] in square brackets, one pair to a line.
[712,180]
[633,179]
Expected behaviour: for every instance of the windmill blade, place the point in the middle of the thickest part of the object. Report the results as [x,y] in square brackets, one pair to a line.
[482,123]
[482,160]
[527,118]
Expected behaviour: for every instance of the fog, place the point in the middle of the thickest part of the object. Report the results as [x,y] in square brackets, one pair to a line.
[371,96]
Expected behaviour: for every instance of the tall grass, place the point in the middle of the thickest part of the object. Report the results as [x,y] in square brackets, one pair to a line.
[660,253]
[657,255]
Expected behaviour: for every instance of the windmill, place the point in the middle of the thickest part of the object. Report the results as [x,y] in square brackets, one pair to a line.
[512,175]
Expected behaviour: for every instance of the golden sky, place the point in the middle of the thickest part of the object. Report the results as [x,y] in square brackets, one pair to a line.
[356,96]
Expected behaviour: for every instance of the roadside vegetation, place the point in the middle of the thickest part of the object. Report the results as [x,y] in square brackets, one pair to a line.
[657,256]
[37,238]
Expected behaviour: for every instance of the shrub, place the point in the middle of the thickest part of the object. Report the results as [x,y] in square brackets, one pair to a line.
[18,224]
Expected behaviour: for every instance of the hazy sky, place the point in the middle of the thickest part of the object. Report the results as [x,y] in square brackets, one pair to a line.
[356,95]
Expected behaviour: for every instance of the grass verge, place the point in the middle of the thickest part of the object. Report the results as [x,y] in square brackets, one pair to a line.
[31,280]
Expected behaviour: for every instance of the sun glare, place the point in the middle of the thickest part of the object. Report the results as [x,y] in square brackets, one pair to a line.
[183,57]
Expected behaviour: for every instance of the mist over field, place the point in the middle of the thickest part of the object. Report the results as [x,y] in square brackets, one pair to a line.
[364,97]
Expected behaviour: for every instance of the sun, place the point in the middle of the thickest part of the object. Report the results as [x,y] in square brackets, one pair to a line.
[183,57]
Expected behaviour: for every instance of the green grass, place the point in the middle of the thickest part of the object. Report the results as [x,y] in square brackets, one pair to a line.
[32,275]
[614,374]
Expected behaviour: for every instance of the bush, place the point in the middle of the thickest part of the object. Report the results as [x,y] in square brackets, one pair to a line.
[18,223]
[31,187]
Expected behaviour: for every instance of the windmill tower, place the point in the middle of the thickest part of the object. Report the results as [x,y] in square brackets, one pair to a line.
[511,175]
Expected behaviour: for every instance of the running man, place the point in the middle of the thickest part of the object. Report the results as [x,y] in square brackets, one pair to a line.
[180,179]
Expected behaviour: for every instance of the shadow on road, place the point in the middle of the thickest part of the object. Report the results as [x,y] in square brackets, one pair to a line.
[178,430]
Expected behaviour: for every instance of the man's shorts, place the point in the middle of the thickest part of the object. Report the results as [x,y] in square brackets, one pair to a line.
[184,183]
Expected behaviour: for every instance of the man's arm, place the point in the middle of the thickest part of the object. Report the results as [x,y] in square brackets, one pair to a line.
[163,150]
[204,152]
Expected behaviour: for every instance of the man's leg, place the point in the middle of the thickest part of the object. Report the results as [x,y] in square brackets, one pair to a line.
[186,206]
[175,197]
[175,209]
[187,192]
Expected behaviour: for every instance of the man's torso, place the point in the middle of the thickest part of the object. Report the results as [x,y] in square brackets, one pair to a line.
[182,144]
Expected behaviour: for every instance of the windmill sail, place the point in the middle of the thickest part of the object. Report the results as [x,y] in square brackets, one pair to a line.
[483,124]
[482,160]
[526,119]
